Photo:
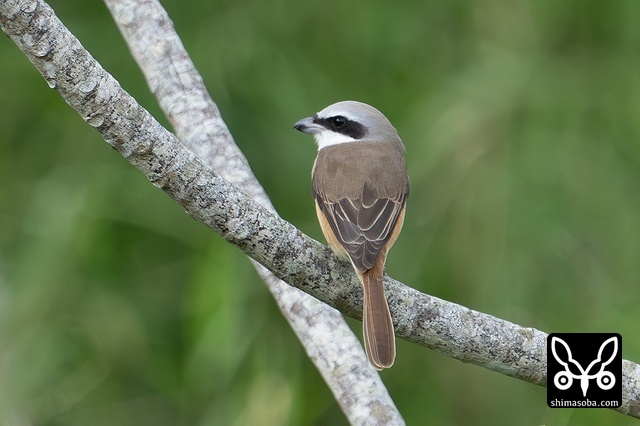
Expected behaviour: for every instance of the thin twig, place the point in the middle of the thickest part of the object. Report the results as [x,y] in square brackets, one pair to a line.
[179,88]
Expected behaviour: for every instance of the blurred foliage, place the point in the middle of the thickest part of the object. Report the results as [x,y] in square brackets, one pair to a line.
[521,126]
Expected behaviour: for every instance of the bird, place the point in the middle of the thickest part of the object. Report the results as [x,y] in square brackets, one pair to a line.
[360,186]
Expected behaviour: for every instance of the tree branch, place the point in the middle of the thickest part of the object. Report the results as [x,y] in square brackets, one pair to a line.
[449,328]
[196,119]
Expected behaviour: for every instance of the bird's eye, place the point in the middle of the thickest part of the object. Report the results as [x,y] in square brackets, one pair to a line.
[339,121]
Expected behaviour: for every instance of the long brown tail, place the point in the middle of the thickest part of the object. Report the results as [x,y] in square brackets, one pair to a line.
[379,337]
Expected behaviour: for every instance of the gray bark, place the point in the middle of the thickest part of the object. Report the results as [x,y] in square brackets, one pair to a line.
[196,120]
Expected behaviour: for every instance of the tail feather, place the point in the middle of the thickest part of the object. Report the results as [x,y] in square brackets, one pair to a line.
[379,337]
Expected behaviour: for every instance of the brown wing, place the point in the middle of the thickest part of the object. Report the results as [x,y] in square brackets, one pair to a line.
[363,225]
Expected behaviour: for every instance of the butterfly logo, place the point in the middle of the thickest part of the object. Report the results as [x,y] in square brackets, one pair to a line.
[574,371]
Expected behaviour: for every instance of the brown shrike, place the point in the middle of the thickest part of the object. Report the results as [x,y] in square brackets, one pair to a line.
[360,185]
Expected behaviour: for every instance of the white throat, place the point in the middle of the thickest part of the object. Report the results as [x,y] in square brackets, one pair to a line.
[328,138]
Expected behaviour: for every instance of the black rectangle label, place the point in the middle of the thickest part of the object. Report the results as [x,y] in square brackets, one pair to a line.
[584,370]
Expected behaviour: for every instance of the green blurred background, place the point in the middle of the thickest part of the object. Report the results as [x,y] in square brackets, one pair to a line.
[521,121]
